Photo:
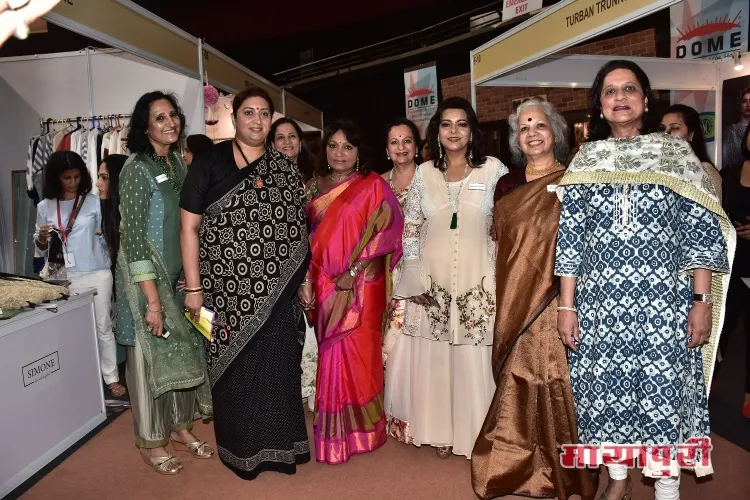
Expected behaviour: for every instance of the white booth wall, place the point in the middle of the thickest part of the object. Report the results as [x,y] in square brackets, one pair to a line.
[58,86]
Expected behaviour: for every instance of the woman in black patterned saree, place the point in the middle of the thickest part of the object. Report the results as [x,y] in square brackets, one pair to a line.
[245,252]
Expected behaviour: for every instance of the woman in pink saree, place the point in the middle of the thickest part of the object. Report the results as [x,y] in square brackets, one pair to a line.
[355,223]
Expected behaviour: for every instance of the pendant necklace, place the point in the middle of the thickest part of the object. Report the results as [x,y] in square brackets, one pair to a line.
[163,162]
[454,219]
[258,180]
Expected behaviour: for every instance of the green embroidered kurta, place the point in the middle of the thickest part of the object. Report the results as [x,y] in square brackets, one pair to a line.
[150,250]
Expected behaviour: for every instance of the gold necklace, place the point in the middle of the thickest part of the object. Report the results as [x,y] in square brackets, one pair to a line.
[544,171]
[338,178]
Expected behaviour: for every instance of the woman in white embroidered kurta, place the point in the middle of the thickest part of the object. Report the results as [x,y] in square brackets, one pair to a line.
[438,377]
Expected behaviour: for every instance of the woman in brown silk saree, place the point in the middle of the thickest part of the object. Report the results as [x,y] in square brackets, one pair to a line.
[532,412]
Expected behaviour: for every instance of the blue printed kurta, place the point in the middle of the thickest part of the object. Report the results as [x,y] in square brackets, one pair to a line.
[632,248]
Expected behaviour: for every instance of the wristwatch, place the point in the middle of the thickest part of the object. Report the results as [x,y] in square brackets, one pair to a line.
[703,297]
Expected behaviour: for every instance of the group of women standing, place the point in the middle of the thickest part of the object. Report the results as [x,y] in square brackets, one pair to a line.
[629,270]
[510,320]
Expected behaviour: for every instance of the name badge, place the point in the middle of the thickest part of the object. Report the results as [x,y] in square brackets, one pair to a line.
[161,178]
[478,186]
[70,259]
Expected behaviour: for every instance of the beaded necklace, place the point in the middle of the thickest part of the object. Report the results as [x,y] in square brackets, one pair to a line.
[162,162]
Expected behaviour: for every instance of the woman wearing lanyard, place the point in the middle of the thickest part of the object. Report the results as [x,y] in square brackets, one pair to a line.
[75,216]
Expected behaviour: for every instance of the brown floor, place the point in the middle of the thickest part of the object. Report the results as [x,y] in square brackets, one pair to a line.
[108,467]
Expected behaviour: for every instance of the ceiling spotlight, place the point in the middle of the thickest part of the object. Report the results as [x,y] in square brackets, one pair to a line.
[737,61]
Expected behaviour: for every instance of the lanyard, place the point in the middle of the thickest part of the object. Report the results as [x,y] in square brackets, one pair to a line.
[71,220]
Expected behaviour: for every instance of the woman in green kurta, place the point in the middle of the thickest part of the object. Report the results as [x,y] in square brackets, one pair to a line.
[166,369]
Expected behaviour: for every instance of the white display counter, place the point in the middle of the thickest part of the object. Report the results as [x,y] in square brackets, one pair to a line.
[50,386]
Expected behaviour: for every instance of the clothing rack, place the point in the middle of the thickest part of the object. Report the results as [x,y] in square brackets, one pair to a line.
[51,121]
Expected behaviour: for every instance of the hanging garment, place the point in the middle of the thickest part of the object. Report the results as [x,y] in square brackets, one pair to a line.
[41,156]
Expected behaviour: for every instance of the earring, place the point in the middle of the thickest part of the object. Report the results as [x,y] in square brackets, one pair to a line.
[356,166]
[646,108]
[388,155]
[601,115]
[329,167]
[440,149]
[471,153]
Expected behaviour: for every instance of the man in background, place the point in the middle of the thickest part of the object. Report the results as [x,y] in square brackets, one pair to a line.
[733,134]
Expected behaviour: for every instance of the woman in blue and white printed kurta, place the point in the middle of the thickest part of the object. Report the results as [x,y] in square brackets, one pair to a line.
[638,216]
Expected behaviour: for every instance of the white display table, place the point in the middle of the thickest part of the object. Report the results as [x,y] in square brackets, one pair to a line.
[50,386]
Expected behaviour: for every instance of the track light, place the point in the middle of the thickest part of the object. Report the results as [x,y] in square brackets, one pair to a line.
[737,61]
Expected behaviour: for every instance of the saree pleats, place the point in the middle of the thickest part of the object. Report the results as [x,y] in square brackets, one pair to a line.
[531,416]
[349,418]
[259,421]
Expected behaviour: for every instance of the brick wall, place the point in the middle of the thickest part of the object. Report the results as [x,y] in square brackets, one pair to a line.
[495,103]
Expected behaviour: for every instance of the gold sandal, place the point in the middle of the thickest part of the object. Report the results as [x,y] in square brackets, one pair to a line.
[117,389]
[199,449]
[168,465]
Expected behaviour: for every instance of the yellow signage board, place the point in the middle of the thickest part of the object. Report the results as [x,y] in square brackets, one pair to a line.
[560,26]
[130,29]
[124,25]
[299,110]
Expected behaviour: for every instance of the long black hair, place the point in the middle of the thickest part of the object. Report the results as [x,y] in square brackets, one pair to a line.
[693,123]
[59,162]
[304,161]
[476,143]
[138,141]
[198,144]
[111,206]
[354,136]
[599,129]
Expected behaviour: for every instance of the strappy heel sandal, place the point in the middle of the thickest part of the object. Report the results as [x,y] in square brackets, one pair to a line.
[444,451]
[199,449]
[167,466]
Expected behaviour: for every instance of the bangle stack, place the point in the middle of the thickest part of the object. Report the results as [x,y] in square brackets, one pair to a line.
[193,291]
[563,308]
[307,281]
[161,309]
[355,270]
